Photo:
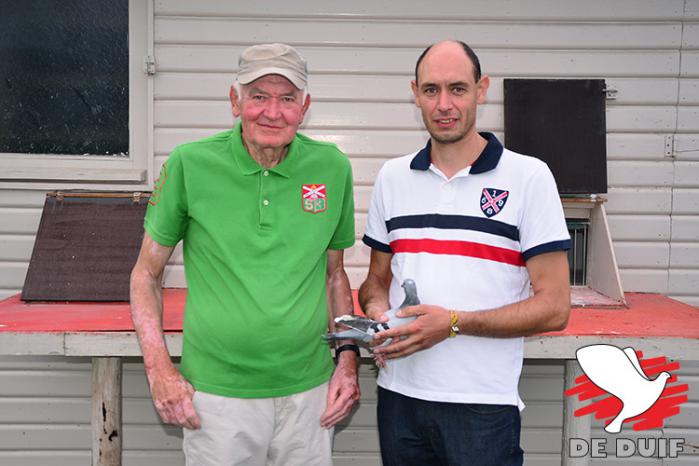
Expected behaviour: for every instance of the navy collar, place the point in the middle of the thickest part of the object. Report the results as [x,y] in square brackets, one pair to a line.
[486,161]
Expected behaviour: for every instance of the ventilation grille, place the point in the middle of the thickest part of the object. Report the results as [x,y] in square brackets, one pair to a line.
[577,255]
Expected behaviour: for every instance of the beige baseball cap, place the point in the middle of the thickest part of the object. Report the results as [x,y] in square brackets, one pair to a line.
[264,59]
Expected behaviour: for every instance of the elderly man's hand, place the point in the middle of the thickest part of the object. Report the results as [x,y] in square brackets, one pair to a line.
[430,327]
[172,396]
[343,390]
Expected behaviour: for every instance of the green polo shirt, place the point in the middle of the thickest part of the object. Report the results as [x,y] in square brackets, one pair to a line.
[255,243]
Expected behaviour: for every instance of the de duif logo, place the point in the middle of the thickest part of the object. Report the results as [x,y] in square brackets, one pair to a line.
[627,388]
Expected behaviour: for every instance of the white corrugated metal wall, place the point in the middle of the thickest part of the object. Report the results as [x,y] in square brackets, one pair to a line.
[361,56]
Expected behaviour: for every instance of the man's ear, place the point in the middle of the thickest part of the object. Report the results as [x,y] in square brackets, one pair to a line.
[483,86]
[304,108]
[235,101]
[413,87]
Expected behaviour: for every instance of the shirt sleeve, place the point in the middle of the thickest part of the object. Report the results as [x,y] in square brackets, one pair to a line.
[166,216]
[376,234]
[543,226]
[343,237]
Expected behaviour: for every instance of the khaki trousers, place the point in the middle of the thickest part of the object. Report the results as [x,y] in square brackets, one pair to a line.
[282,431]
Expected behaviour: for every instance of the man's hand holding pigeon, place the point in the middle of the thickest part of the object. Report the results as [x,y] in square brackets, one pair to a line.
[431,326]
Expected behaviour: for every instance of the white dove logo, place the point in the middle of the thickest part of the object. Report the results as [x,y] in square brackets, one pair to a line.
[619,372]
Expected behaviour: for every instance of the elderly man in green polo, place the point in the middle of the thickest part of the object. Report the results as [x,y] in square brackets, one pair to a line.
[264,214]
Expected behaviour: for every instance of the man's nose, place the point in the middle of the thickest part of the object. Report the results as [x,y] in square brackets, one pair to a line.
[272,109]
[444,101]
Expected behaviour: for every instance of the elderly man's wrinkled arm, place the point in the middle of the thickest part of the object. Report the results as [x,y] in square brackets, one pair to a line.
[343,389]
[171,392]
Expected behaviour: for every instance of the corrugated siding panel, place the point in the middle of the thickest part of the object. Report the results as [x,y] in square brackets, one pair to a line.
[640,201]
[685,201]
[685,228]
[637,10]
[649,280]
[20,212]
[372,60]
[650,255]
[416,32]
[361,57]
[45,409]
[683,276]
[640,227]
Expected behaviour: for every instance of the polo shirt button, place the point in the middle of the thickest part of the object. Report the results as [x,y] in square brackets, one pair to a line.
[265,202]
[265,173]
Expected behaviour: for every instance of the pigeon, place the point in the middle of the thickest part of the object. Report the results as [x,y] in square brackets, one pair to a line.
[363,329]
[619,372]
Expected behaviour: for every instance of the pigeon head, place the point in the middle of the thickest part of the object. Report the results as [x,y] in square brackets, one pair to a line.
[410,289]
[409,285]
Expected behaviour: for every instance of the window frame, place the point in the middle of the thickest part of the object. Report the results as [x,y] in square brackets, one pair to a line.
[25,168]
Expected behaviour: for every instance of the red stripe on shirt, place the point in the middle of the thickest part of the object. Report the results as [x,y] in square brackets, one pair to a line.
[458,248]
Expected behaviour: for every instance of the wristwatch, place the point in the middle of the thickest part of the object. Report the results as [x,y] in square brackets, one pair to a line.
[453,324]
[348,347]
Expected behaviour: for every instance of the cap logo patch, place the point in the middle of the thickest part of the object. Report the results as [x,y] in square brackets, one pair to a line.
[314,198]
[493,201]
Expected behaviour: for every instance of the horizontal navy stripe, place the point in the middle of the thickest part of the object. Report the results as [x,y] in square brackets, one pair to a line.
[454,222]
[546,247]
[373,244]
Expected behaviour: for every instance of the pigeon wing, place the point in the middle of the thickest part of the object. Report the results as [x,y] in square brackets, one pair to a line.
[361,324]
[347,334]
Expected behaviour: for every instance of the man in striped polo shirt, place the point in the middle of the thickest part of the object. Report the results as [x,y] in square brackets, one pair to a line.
[474,225]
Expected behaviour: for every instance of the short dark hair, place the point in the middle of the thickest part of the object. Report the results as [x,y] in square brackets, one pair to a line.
[469,53]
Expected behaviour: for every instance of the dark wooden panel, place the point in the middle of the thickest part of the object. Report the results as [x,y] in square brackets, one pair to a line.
[561,121]
[85,248]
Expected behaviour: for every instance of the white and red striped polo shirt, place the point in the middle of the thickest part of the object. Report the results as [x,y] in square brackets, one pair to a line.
[465,242]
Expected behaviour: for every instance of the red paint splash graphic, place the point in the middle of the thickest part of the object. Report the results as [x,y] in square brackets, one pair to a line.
[608,407]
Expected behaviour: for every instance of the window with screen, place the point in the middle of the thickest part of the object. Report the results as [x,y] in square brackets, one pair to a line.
[73,90]
[65,74]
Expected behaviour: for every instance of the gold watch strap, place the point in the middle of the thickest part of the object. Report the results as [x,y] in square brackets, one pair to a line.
[453,324]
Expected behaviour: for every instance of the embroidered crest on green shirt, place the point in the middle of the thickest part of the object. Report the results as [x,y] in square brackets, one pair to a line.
[314,198]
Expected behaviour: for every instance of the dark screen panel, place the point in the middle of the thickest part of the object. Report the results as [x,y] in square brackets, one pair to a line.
[64,74]
[561,121]
[85,248]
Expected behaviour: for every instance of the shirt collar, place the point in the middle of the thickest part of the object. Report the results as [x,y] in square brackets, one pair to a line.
[249,166]
[486,161]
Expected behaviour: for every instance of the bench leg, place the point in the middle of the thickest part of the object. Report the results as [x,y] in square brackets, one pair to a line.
[106,411]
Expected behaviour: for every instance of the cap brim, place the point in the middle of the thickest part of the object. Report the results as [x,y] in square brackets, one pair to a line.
[250,76]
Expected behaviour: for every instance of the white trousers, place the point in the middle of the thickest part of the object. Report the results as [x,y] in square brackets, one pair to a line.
[283,431]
